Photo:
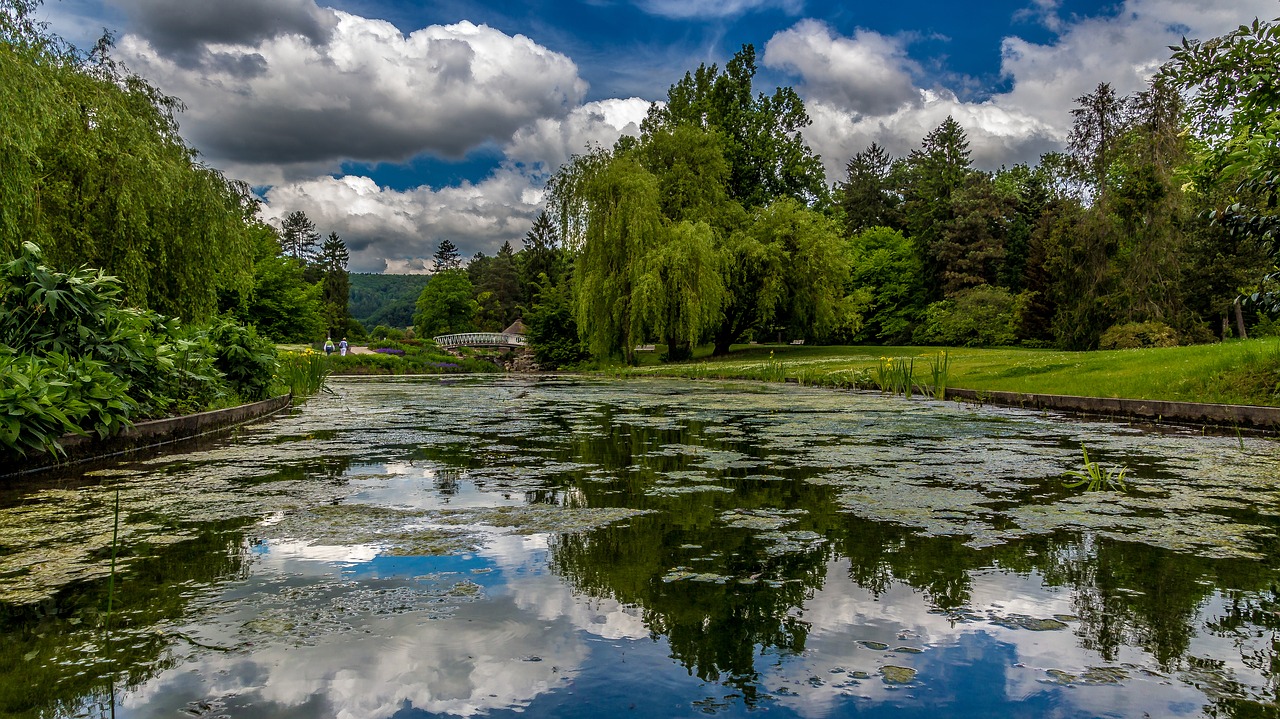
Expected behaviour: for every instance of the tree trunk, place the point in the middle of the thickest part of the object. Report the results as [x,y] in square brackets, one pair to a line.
[1240,320]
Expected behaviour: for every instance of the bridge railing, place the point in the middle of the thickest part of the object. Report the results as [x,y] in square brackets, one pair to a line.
[480,339]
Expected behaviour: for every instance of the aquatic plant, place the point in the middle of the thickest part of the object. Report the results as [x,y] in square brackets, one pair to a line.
[939,365]
[1093,477]
[774,371]
[896,375]
[301,373]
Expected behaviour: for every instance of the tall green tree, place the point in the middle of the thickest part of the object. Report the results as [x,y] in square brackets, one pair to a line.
[623,220]
[447,257]
[885,273]
[785,271]
[867,197]
[446,306]
[93,169]
[763,144]
[299,238]
[678,289]
[335,286]
[935,172]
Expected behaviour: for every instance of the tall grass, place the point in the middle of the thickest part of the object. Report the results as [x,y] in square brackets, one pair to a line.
[301,373]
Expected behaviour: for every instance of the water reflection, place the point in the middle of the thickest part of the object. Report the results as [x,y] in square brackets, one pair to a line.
[566,548]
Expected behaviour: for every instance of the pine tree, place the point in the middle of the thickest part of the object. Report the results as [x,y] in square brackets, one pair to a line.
[936,172]
[447,257]
[298,237]
[335,285]
[865,195]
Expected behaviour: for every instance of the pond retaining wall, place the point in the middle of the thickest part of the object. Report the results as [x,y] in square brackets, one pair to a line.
[1187,413]
[153,433]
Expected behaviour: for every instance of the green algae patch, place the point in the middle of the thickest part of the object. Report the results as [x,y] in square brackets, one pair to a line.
[538,518]
[877,646]
[1022,621]
[399,532]
[891,674]
[761,520]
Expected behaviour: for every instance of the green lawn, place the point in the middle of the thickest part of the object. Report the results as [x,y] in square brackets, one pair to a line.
[1236,372]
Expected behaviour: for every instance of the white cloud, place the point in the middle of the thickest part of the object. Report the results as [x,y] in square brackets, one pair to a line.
[857,89]
[395,230]
[688,9]
[548,143]
[867,73]
[369,93]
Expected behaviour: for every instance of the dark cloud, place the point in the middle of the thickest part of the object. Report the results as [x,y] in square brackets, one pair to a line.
[180,29]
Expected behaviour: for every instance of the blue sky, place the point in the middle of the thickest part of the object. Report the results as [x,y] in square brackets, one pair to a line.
[397,124]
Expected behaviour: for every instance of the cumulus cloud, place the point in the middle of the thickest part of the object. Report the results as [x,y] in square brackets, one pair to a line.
[688,9]
[397,231]
[180,30]
[866,73]
[367,93]
[857,89]
[547,143]
[387,229]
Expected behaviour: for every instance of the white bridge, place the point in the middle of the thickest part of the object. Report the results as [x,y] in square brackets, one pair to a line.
[481,339]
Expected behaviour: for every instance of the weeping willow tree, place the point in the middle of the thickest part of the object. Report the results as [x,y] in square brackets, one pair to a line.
[93,170]
[637,274]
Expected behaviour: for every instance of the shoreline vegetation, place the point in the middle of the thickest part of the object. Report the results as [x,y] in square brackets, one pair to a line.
[1242,372]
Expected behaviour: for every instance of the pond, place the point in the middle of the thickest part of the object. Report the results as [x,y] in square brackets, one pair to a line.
[567,547]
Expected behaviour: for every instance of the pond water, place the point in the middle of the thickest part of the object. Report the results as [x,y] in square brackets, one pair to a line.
[567,547]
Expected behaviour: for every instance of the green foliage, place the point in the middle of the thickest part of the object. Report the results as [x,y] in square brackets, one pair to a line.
[678,288]
[886,265]
[247,360]
[302,374]
[445,305]
[1135,335]
[335,287]
[896,375]
[767,156]
[552,331]
[92,168]
[1094,477]
[982,316]
[281,303]
[45,397]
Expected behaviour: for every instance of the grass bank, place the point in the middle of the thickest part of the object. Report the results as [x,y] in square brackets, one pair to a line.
[1237,372]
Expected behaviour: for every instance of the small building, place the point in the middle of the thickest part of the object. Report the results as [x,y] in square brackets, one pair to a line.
[516,328]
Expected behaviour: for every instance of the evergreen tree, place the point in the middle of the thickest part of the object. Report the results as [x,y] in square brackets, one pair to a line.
[866,195]
[935,172]
[1098,122]
[336,285]
[298,237]
[447,257]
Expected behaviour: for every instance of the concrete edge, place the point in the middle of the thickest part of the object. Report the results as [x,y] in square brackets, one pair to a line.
[1229,416]
[153,433]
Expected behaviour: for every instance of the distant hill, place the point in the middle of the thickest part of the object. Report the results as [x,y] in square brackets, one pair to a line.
[384,299]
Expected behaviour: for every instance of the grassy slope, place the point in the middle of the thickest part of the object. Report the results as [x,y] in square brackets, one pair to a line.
[1231,372]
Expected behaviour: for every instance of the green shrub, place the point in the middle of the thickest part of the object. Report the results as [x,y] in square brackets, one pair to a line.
[1136,335]
[247,360]
[42,399]
[981,316]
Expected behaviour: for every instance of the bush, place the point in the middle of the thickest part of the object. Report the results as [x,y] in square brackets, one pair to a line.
[982,316]
[42,399]
[1136,335]
[247,360]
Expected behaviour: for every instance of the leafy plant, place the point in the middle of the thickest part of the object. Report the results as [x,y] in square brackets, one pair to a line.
[939,366]
[896,375]
[247,360]
[302,373]
[1094,477]
[44,398]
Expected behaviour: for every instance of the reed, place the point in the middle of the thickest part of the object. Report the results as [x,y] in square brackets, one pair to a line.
[1093,477]
[302,373]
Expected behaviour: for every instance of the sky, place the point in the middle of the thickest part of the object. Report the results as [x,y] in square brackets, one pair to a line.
[399,123]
